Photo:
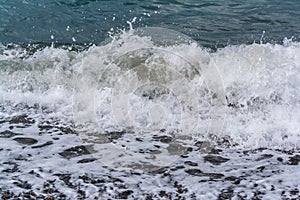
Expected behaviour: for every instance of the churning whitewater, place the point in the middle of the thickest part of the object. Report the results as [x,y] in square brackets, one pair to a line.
[259,94]
[135,114]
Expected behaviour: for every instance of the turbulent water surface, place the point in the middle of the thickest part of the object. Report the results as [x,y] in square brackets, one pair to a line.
[149,99]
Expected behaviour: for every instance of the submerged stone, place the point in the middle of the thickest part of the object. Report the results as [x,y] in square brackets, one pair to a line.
[8,134]
[76,151]
[22,119]
[25,140]
[215,160]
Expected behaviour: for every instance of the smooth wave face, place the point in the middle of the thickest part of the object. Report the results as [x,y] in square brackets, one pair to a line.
[260,87]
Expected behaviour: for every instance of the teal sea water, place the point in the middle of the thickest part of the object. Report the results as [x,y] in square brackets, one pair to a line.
[211,23]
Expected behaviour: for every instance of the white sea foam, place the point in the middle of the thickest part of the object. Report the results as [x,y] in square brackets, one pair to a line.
[260,83]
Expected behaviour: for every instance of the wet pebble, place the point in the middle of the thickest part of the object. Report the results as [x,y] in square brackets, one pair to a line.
[25,140]
[23,184]
[22,119]
[76,151]
[194,172]
[13,169]
[226,194]
[8,134]
[162,138]
[294,160]
[115,135]
[234,179]
[190,163]
[87,160]
[264,156]
[65,178]
[215,160]
[294,191]
[124,194]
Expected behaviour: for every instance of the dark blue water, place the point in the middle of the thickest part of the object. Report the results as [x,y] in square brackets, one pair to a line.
[212,23]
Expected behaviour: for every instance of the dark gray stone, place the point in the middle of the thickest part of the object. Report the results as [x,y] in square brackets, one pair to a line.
[215,160]
[8,134]
[76,151]
[25,140]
